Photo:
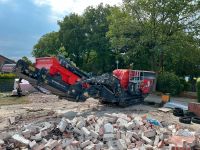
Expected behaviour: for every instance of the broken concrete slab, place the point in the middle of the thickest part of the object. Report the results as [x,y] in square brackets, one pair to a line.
[36,137]
[150,133]
[121,122]
[20,139]
[147,140]
[12,120]
[33,144]
[77,131]
[108,137]
[121,144]
[84,144]
[26,133]
[51,144]
[130,125]
[66,142]
[1,142]
[156,141]
[94,134]
[85,131]
[108,128]
[80,123]
[90,147]
[129,134]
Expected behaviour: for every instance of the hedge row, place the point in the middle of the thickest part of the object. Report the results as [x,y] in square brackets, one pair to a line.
[7,76]
[169,83]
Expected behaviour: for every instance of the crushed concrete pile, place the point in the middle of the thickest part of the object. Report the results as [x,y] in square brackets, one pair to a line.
[108,132]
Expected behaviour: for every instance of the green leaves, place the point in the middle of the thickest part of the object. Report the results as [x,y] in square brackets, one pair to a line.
[148,34]
[198,89]
[154,34]
[48,44]
[168,83]
[73,38]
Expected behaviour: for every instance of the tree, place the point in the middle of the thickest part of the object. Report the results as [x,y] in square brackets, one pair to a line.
[141,34]
[148,31]
[28,61]
[48,44]
[96,25]
[124,34]
[73,37]
[84,38]
[183,55]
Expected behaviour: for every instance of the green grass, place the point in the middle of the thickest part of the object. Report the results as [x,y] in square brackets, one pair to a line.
[7,100]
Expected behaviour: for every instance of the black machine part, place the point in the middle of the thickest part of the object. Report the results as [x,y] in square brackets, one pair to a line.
[41,78]
[106,87]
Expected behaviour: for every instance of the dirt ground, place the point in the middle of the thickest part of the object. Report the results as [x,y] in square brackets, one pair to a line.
[42,107]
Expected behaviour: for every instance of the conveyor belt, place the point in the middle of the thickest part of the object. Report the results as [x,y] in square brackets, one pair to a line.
[35,84]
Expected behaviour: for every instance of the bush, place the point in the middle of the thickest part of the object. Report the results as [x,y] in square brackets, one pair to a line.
[185,86]
[7,76]
[198,89]
[169,83]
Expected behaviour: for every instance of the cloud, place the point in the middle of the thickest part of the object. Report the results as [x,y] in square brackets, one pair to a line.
[22,24]
[59,8]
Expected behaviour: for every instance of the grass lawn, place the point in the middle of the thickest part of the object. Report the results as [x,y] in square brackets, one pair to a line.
[8,100]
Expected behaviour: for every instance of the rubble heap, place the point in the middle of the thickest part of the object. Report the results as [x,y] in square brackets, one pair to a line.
[108,132]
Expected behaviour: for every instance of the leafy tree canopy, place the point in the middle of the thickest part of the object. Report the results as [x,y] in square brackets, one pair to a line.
[49,44]
[142,34]
[156,31]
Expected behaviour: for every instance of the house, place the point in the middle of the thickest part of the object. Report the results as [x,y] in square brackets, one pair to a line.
[7,68]
[6,64]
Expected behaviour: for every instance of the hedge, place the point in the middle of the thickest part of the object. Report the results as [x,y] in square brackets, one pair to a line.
[185,86]
[169,83]
[198,89]
[7,76]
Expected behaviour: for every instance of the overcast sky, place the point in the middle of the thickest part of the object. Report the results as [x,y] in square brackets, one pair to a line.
[23,22]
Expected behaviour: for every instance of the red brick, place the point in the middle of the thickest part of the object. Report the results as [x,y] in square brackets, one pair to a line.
[180,148]
[160,144]
[194,107]
[178,141]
